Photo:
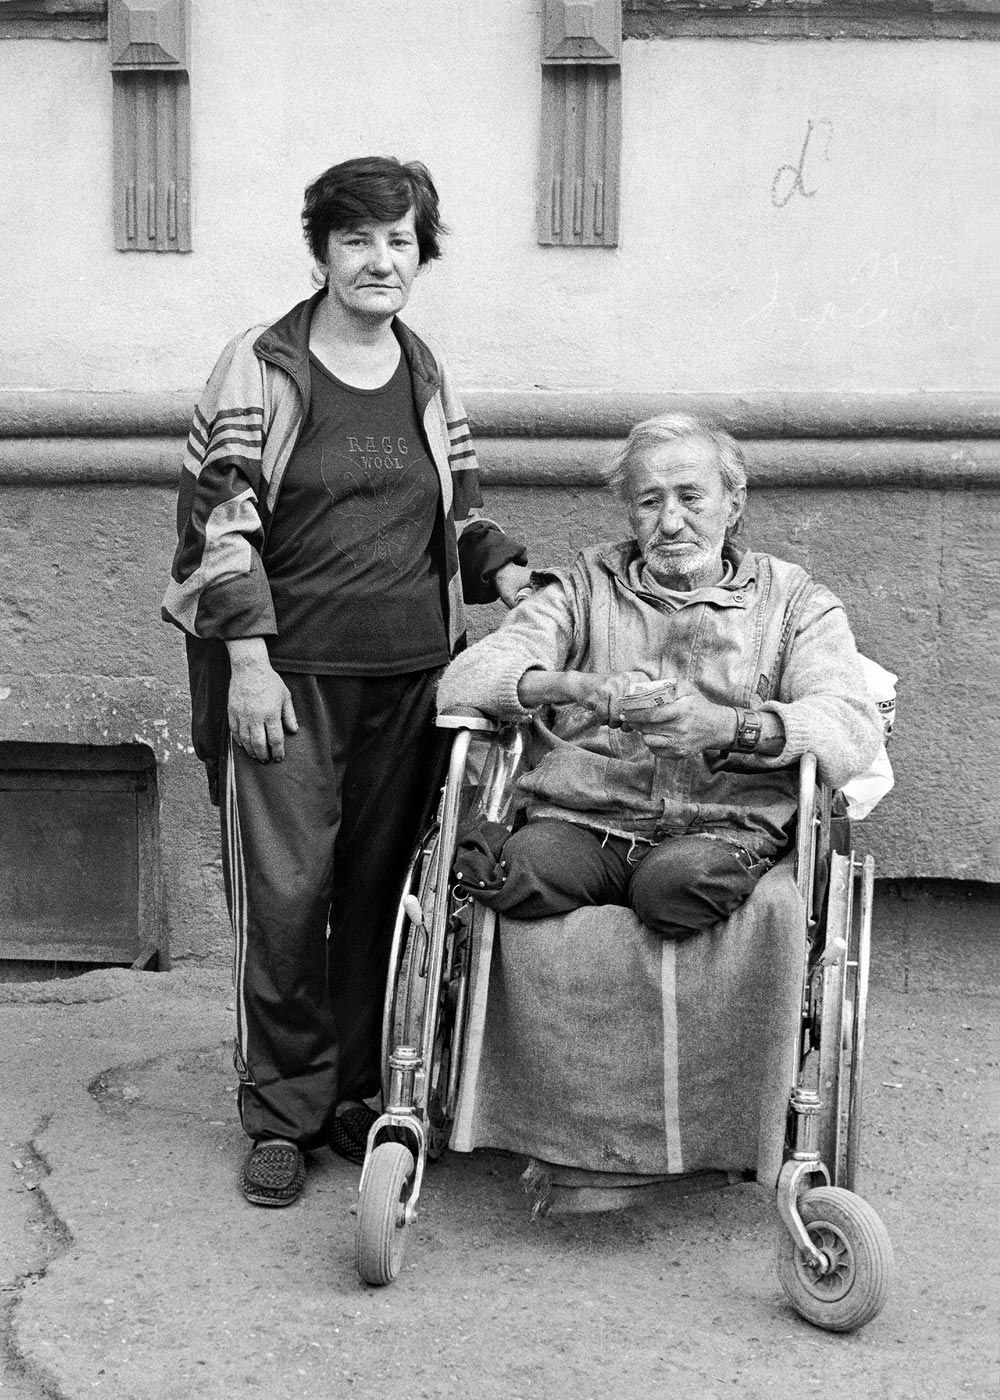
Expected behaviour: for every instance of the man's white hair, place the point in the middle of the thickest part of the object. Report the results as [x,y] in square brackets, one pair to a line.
[669,427]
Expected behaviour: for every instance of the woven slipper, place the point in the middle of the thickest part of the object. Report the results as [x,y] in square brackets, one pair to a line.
[273,1174]
[349,1134]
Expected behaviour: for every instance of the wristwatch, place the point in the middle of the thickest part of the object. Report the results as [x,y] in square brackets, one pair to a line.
[748,727]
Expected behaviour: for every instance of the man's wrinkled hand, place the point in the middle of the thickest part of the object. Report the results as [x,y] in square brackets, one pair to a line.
[686,726]
[600,693]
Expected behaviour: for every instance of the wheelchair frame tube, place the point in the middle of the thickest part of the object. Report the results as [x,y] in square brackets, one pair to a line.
[804,1103]
[437,931]
[409,1065]
[498,784]
[805,842]
[867,867]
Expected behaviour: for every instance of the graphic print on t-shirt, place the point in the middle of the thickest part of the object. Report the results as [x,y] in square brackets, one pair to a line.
[372,481]
[353,557]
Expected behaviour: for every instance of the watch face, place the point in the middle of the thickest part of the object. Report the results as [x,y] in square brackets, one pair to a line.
[749,731]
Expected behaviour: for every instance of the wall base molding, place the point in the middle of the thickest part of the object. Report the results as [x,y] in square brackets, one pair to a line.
[952,464]
[549,438]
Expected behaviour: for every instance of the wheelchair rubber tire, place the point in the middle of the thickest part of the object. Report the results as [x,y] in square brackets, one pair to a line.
[848,1230]
[381,1234]
[439,1122]
[402,933]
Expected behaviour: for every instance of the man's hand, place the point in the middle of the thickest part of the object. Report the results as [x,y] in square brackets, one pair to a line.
[510,578]
[688,725]
[260,704]
[597,692]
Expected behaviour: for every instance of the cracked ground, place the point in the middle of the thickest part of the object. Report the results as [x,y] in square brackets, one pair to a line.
[131,1267]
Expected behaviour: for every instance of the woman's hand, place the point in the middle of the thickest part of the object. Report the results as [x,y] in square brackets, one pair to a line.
[510,578]
[260,704]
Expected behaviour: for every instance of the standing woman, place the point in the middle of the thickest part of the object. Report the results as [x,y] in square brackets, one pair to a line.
[329,534]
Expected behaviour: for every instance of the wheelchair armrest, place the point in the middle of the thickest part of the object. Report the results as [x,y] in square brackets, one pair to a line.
[468,719]
[808,782]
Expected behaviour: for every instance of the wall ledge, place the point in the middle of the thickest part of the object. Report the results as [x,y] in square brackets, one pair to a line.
[551,437]
[810,19]
[543,413]
[567,462]
[54,19]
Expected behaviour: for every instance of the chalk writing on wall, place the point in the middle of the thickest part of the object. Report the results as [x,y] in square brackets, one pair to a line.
[791,179]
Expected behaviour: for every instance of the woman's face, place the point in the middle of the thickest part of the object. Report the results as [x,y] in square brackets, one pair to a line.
[371,267]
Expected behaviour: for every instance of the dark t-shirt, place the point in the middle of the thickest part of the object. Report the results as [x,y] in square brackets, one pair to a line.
[354,552]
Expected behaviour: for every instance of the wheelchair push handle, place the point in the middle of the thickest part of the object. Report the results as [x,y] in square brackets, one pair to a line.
[466,717]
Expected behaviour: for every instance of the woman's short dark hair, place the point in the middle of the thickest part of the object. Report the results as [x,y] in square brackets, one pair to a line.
[378,189]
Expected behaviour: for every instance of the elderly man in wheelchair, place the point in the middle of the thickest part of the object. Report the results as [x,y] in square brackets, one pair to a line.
[674,681]
[670,685]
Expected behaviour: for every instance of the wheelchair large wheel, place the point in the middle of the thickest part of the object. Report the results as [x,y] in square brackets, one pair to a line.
[401,937]
[403,1012]
[410,1000]
[446,1053]
[850,1234]
[381,1234]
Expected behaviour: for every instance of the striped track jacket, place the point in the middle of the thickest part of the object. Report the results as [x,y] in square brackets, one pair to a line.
[245,428]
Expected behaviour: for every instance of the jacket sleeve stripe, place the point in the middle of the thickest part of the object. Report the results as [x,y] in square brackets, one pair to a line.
[226,537]
[222,459]
[242,432]
[205,499]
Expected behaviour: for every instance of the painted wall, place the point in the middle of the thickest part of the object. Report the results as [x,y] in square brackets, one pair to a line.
[795,215]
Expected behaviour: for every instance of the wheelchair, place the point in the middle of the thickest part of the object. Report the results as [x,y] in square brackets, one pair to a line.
[834,1256]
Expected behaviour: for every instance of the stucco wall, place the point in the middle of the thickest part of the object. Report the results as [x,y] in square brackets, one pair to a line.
[751,259]
[879,273]
[84,658]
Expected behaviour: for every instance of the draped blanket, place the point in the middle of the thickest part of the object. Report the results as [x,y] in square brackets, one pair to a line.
[593,1044]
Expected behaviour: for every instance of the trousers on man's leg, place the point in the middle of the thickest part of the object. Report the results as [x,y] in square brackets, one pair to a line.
[677,888]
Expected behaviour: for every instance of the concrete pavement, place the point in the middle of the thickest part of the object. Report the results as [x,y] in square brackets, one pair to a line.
[132,1268]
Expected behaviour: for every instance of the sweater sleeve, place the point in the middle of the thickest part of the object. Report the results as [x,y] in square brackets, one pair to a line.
[822,698]
[218,587]
[539,632]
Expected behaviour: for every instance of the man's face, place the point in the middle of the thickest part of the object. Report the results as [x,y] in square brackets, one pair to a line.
[680,512]
[372,266]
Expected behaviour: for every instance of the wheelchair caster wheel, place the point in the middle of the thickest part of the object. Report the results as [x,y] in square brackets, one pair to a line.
[381,1234]
[857,1247]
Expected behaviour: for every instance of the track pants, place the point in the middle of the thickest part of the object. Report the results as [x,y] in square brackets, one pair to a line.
[678,888]
[315,851]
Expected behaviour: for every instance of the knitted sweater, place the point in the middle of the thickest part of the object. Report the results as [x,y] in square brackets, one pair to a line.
[767,638]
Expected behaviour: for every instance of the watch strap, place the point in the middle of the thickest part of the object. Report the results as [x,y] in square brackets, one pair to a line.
[748,730]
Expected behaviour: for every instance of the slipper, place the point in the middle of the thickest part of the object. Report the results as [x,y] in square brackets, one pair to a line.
[349,1133]
[273,1174]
